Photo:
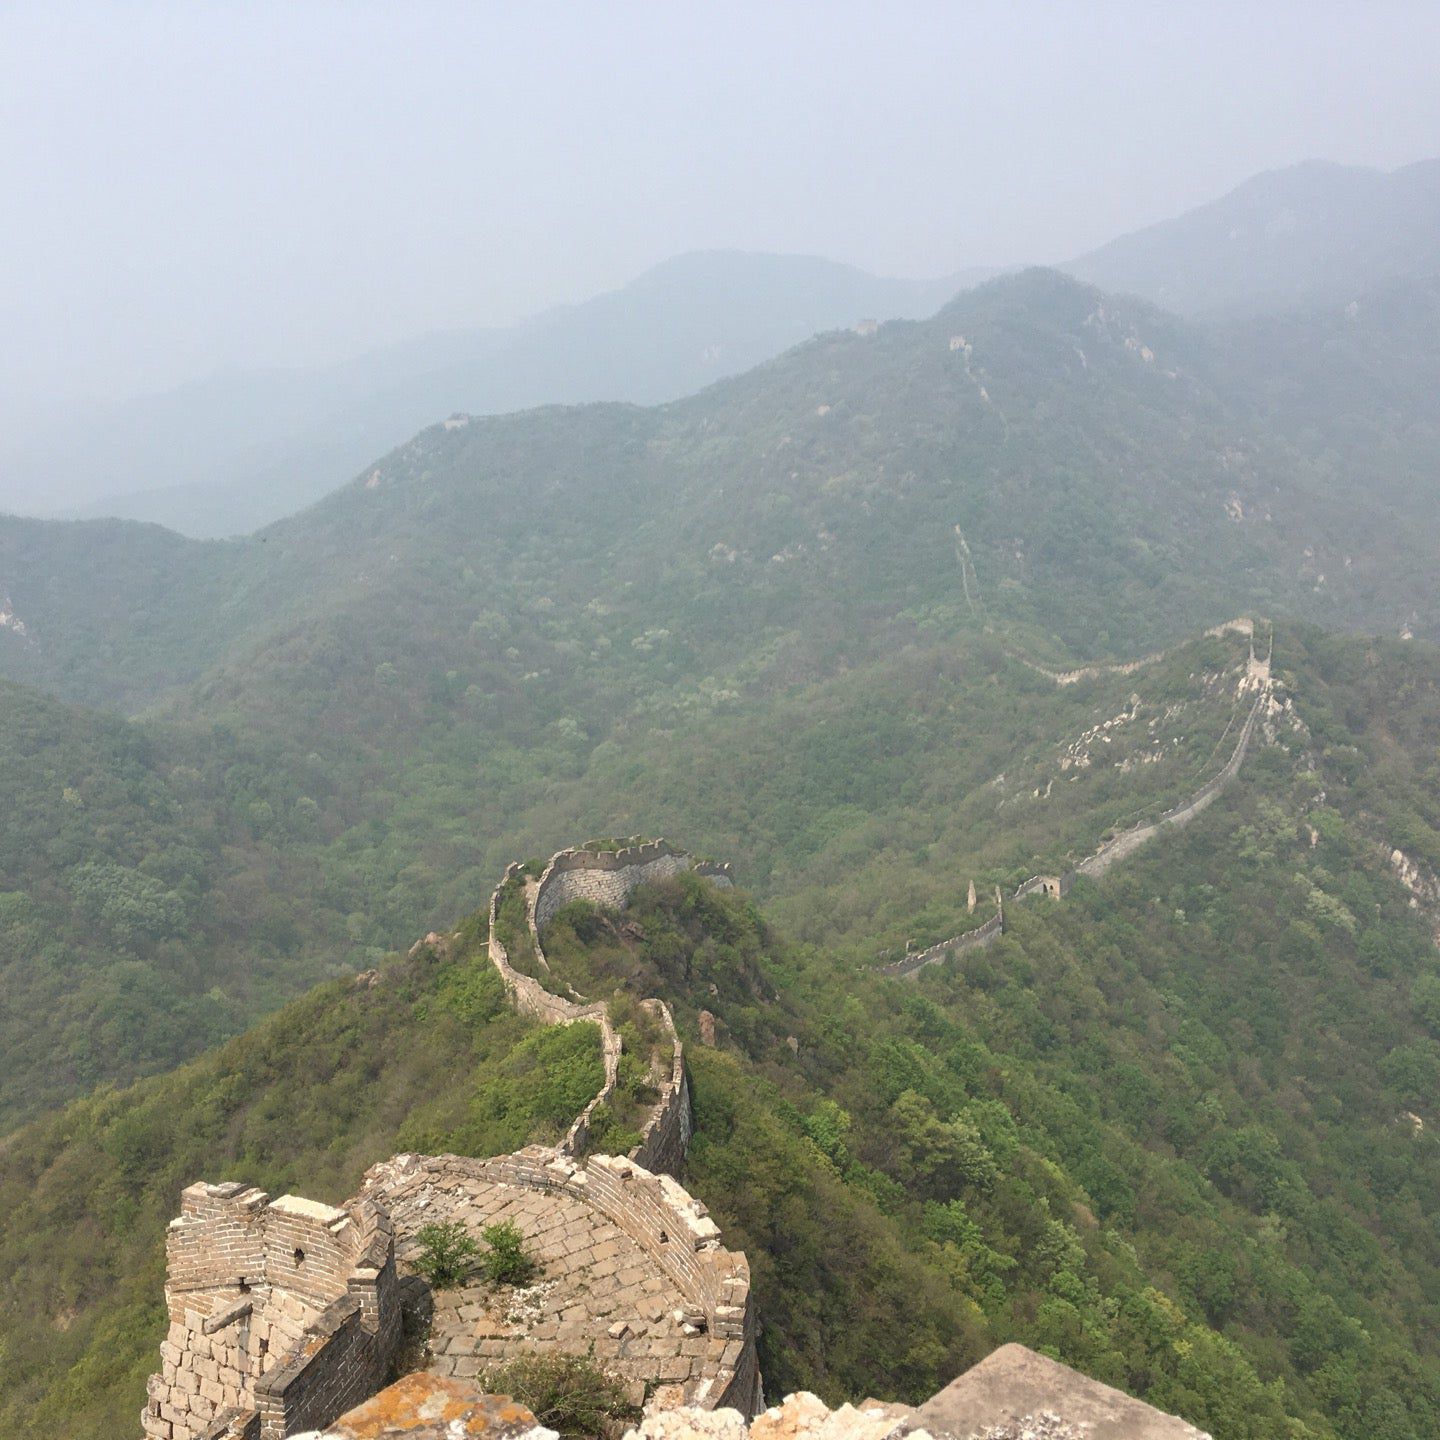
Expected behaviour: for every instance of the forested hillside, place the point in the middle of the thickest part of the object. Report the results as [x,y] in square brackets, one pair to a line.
[1118,478]
[1173,1129]
[808,621]
[166,884]
[518,626]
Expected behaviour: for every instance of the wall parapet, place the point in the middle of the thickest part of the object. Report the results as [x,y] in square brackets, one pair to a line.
[606,878]
[977,938]
[670,1225]
[1108,854]
[252,1287]
[665,1134]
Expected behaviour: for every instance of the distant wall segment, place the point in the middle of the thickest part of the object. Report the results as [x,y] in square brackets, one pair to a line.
[1056,887]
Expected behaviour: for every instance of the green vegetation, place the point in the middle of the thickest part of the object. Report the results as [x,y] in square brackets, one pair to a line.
[566,1393]
[430,1057]
[447,1254]
[1157,1131]
[1162,1131]
[351,722]
[506,1260]
[512,929]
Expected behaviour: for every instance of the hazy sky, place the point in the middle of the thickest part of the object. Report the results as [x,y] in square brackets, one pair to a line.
[191,185]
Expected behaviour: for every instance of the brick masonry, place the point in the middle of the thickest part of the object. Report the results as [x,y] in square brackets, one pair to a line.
[632,1265]
[285,1314]
[281,1312]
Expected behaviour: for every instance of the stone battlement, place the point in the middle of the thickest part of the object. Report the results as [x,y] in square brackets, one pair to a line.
[282,1314]
[285,1313]
[607,877]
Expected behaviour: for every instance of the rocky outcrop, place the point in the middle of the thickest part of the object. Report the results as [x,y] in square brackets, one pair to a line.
[1423,887]
[426,1407]
[798,1417]
[1014,1394]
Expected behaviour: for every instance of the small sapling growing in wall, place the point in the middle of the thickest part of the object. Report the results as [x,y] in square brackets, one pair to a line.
[507,1261]
[447,1254]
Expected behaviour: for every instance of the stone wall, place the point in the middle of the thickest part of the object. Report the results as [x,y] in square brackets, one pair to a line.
[1241,626]
[981,936]
[528,995]
[338,1365]
[251,1289]
[666,1131]
[285,1314]
[1112,851]
[531,998]
[1056,887]
[1179,815]
[673,1229]
[606,877]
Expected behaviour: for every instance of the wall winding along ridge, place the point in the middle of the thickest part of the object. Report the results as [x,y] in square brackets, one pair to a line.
[284,1314]
[1257,677]
[607,878]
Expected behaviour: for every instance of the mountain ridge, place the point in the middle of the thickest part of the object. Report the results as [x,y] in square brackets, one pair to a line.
[253,446]
[1315,231]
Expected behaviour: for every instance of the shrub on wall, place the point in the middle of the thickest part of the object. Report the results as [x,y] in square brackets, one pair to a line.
[507,1261]
[566,1393]
[447,1254]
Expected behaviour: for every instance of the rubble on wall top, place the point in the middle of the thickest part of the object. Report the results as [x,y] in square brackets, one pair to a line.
[327,1215]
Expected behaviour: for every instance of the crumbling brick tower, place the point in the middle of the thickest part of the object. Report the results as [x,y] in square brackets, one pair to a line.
[283,1314]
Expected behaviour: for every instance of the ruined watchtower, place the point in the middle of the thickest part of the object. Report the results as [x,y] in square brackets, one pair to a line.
[282,1314]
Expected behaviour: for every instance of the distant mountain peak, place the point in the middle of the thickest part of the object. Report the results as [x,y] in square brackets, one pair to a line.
[1311,231]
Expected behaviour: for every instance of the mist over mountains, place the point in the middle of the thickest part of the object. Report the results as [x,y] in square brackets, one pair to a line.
[225,455]
[1310,234]
[876,612]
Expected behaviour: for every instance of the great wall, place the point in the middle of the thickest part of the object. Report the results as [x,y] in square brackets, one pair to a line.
[285,1314]
[1257,678]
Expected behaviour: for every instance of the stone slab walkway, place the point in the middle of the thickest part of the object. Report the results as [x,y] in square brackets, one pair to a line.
[597,1288]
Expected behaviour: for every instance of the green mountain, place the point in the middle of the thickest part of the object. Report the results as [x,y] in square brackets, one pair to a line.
[1172,1129]
[814,620]
[1116,476]
[521,628]
[1315,232]
[231,453]
[166,883]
